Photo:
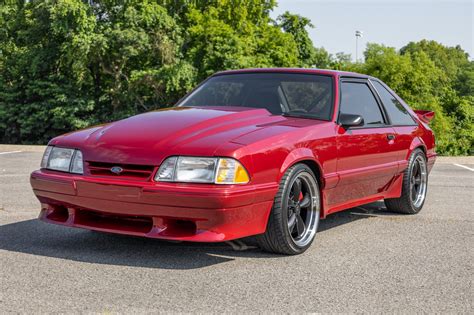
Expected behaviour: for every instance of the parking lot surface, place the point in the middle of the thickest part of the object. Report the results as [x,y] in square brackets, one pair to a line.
[363,260]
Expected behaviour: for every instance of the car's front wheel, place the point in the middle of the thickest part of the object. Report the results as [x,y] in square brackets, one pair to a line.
[294,217]
[414,186]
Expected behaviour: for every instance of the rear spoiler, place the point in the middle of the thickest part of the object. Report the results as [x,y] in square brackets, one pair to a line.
[425,115]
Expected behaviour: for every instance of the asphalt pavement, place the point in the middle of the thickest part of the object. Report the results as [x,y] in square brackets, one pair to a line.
[363,260]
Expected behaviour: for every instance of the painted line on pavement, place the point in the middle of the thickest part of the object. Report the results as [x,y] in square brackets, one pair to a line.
[464,166]
[10,152]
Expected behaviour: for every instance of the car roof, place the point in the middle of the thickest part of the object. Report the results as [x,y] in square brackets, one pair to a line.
[336,73]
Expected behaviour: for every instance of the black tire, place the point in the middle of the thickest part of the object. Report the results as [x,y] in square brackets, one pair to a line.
[289,211]
[406,203]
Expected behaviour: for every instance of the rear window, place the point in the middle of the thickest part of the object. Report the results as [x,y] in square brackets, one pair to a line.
[302,95]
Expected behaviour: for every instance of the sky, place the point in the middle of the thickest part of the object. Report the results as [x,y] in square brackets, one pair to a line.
[390,22]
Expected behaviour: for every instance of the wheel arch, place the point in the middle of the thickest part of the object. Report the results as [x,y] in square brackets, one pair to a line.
[417,143]
[305,156]
[314,166]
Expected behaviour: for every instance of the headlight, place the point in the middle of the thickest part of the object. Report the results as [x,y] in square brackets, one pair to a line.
[63,159]
[47,152]
[202,170]
[77,166]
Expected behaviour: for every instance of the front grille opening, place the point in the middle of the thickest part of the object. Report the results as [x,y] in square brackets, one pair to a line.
[132,171]
[138,224]
[58,214]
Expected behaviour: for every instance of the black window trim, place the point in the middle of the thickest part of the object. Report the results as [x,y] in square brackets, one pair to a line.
[376,97]
[397,98]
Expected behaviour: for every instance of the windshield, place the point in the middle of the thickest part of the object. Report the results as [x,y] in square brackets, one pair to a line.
[302,95]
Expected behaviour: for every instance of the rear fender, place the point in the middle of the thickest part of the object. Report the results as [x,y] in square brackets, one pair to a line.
[417,142]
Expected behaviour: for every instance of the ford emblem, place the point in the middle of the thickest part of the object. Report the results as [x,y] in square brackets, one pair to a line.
[116,170]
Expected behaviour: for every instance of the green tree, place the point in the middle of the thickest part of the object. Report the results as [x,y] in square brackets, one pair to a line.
[223,35]
[417,78]
[449,59]
[342,61]
[322,58]
[67,64]
[37,97]
[464,83]
[296,25]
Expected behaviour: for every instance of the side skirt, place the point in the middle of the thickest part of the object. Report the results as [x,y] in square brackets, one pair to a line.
[392,190]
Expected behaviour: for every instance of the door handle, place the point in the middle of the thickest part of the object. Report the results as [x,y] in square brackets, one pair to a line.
[390,137]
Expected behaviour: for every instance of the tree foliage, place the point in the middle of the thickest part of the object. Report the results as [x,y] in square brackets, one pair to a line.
[67,64]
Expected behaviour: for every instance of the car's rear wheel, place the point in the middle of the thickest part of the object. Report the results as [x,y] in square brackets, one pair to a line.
[414,187]
[294,218]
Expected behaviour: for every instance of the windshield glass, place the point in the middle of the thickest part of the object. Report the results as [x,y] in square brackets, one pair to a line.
[302,95]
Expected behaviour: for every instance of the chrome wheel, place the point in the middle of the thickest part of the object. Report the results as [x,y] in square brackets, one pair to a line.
[418,181]
[303,209]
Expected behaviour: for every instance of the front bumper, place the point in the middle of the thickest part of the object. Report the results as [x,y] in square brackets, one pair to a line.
[188,212]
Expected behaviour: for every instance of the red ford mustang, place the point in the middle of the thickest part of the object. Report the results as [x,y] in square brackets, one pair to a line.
[264,152]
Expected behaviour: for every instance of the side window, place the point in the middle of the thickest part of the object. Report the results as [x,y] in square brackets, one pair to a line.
[398,114]
[357,99]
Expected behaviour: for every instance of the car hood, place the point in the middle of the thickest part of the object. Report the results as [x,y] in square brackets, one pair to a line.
[200,131]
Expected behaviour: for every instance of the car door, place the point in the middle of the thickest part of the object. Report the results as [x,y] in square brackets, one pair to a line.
[367,159]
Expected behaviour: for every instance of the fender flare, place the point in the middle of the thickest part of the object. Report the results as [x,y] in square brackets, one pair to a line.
[297,155]
[305,154]
[417,142]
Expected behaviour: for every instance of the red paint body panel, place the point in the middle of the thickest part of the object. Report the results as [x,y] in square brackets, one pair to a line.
[353,167]
[214,213]
[425,115]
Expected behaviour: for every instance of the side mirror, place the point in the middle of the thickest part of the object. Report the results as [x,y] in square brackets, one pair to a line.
[350,120]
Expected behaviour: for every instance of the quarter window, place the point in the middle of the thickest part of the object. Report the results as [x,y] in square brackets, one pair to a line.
[396,111]
[357,99]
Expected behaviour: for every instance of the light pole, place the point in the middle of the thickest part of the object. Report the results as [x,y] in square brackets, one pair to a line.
[358,34]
